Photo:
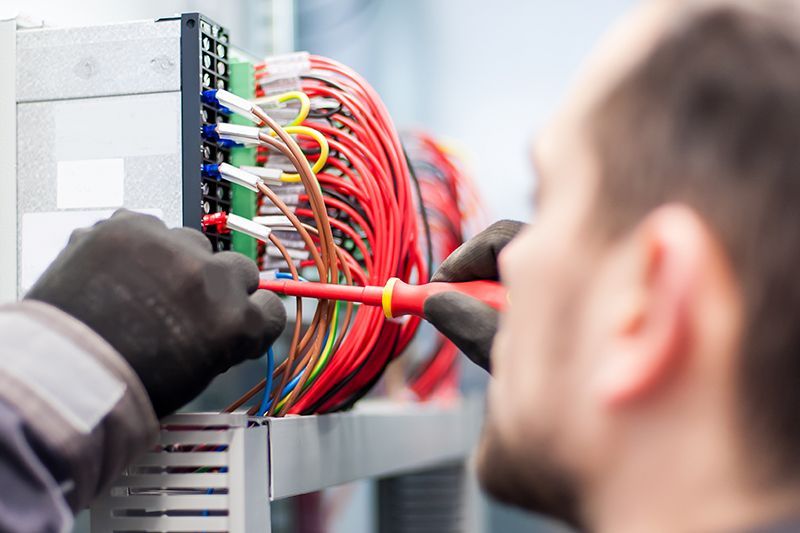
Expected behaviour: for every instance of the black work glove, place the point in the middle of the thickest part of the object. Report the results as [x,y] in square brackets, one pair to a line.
[469,323]
[177,313]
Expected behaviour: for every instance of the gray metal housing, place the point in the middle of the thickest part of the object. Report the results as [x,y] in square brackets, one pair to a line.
[102,102]
[220,472]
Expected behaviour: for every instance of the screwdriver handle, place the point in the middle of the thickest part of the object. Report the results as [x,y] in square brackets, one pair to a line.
[396,298]
[400,298]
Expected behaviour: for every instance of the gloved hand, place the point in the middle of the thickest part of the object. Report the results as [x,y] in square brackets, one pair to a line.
[469,323]
[177,313]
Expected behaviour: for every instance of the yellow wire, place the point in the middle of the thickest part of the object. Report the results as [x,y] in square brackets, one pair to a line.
[294,128]
[324,150]
[300,96]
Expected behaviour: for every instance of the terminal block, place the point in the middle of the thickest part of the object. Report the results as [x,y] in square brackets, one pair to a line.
[204,66]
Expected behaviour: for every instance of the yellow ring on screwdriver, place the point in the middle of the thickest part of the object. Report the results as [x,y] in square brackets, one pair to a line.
[386,297]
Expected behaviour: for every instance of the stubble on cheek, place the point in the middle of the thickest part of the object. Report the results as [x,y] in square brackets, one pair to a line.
[517,460]
[530,478]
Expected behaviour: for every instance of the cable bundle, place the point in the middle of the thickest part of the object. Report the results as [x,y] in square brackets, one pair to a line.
[337,203]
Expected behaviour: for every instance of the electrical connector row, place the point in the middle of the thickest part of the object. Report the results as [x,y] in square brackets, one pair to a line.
[214,75]
[250,177]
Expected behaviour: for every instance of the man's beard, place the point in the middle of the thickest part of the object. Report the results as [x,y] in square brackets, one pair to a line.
[530,480]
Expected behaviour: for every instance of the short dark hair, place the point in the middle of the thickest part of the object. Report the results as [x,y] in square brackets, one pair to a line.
[711,118]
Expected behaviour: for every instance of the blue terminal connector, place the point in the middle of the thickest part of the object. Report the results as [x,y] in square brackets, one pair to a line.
[209,97]
[211,170]
[210,132]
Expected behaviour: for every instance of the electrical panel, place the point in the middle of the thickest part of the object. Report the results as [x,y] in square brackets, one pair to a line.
[111,116]
[292,160]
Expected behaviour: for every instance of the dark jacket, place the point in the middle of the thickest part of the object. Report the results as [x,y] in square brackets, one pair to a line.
[72,415]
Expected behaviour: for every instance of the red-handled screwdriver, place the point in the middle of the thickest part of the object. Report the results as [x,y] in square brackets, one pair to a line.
[396,297]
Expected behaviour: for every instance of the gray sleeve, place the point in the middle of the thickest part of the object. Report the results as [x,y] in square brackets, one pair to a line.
[72,415]
[30,498]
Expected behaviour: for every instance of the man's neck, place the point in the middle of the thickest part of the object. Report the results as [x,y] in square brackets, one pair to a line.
[676,496]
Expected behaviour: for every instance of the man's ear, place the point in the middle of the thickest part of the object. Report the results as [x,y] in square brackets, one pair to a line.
[652,327]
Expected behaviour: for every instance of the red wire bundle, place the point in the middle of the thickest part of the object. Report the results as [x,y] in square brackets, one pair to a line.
[447,195]
[378,213]
[367,181]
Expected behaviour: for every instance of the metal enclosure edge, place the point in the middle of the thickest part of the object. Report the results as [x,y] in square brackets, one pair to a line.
[8,161]
[191,120]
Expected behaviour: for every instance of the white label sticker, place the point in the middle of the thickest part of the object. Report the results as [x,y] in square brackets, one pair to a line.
[90,183]
[44,235]
[117,126]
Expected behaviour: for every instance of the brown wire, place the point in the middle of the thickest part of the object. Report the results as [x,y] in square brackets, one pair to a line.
[298,324]
[327,261]
[291,150]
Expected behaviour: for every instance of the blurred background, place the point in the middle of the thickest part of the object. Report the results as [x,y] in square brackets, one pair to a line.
[484,75]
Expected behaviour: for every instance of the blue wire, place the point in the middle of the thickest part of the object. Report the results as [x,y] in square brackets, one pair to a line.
[286,275]
[265,403]
[288,388]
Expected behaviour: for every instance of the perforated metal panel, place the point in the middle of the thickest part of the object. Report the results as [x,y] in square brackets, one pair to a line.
[208,473]
[217,473]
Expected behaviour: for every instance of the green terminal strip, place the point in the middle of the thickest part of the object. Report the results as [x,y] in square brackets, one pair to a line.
[243,200]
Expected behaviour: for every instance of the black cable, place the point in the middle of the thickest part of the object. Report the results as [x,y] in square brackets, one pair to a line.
[430,167]
[327,115]
[345,200]
[423,212]
[323,79]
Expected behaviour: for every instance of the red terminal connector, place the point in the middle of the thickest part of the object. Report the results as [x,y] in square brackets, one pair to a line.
[218,221]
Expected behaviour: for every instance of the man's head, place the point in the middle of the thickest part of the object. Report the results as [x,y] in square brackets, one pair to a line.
[655,303]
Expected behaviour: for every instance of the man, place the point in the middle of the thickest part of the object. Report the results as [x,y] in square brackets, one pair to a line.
[647,372]
[645,375]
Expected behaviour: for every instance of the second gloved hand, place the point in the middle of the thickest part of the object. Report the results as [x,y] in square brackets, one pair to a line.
[469,323]
[178,314]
